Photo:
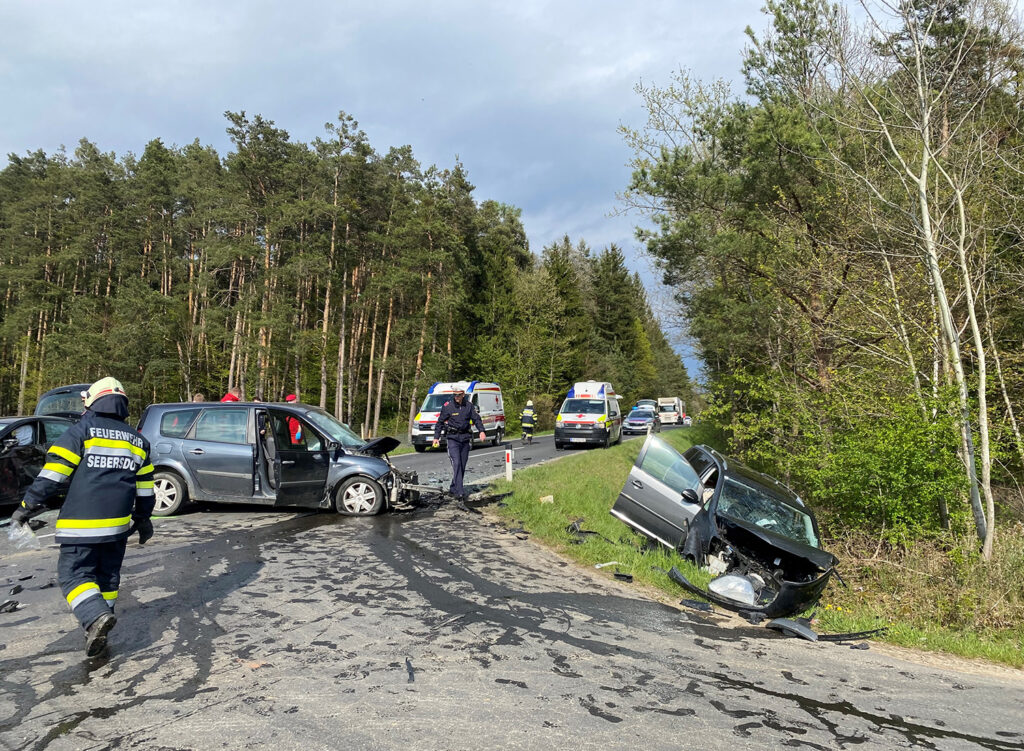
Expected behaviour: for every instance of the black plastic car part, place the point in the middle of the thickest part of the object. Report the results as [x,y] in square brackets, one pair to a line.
[792,597]
[789,627]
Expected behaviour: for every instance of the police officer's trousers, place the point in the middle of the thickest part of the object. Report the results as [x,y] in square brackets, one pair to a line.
[89,576]
[458,452]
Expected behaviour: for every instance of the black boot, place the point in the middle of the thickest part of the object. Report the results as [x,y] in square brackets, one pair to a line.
[96,634]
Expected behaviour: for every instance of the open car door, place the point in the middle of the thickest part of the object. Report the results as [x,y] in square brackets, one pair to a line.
[660,494]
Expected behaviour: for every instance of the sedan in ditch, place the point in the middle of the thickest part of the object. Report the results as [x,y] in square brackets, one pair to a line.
[753,532]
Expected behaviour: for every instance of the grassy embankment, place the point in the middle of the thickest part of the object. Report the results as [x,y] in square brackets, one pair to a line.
[927,597]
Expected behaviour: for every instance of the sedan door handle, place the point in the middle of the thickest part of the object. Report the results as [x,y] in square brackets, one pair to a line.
[638,485]
[288,461]
[197,452]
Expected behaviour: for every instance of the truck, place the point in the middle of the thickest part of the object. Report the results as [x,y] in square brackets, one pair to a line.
[671,410]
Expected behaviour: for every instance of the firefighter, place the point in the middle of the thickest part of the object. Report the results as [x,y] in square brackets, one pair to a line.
[457,419]
[527,418]
[103,465]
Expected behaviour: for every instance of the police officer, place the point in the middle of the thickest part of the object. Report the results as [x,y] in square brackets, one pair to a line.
[104,467]
[457,418]
[527,418]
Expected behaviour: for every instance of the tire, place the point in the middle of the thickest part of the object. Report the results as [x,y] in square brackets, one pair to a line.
[359,496]
[559,446]
[420,447]
[498,437]
[608,440]
[171,493]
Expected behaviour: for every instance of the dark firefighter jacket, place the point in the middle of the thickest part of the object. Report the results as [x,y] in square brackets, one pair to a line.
[104,466]
[527,417]
[458,421]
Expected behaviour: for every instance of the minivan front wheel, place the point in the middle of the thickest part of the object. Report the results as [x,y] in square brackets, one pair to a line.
[359,496]
[170,493]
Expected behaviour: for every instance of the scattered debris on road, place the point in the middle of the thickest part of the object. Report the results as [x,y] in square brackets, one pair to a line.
[609,563]
[546,499]
[9,606]
[15,589]
[623,576]
[704,607]
[411,670]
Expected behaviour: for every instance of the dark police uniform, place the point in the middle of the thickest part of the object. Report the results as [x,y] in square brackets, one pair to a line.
[457,423]
[104,466]
[527,418]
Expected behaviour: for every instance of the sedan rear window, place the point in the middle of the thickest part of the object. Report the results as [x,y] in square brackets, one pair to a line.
[175,424]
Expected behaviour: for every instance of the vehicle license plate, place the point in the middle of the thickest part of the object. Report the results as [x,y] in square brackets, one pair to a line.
[579,440]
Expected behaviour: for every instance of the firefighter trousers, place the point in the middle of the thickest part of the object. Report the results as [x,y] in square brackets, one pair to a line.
[89,576]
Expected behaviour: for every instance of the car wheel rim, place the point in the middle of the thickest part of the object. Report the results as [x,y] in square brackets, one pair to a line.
[359,498]
[166,494]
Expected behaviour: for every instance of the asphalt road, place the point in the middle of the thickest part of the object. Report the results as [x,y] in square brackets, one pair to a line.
[485,462]
[436,629]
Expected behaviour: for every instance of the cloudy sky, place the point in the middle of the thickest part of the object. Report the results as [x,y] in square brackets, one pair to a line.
[528,94]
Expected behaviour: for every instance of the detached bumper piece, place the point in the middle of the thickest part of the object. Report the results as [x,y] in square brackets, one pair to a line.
[791,597]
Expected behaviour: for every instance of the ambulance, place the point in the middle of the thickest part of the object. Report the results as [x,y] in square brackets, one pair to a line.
[590,415]
[486,397]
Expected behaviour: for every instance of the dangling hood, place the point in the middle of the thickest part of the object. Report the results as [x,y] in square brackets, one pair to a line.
[379,446]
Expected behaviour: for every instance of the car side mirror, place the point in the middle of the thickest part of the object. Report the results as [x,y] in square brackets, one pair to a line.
[9,443]
[333,445]
[689,495]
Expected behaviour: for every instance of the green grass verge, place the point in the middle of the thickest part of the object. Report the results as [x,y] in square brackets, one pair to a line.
[585,484]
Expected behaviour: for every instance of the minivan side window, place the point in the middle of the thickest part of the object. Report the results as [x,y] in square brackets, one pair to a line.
[175,424]
[222,425]
[613,408]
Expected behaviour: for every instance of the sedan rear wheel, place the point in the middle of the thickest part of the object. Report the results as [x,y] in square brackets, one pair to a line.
[170,493]
[359,496]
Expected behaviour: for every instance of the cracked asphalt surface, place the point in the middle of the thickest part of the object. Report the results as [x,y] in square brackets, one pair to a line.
[245,628]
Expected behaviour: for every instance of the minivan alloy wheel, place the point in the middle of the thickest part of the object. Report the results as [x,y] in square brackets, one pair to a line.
[360,496]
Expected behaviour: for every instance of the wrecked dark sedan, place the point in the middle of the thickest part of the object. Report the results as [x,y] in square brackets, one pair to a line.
[748,529]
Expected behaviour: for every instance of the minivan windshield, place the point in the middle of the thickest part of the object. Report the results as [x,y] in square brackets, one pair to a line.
[434,402]
[70,402]
[583,406]
[335,430]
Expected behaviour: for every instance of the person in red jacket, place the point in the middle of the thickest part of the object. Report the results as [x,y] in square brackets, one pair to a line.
[234,395]
[294,426]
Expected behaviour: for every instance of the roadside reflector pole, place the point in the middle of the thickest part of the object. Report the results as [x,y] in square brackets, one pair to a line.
[508,464]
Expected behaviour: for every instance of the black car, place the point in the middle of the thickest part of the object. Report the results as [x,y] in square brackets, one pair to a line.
[745,526]
[270,454]
[63,401]
[23,445]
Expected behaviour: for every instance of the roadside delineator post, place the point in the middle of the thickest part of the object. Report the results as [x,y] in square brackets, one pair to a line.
[508,464]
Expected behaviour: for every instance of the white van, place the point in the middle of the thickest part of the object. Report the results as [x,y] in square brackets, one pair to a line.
[590,414]
[671,410]
[486,397]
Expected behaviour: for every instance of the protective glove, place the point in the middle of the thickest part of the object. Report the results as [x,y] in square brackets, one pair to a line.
[144,527]
[21,515]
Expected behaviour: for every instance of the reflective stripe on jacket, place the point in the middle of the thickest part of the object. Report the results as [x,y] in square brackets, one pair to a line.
[103,464]
[527,417]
